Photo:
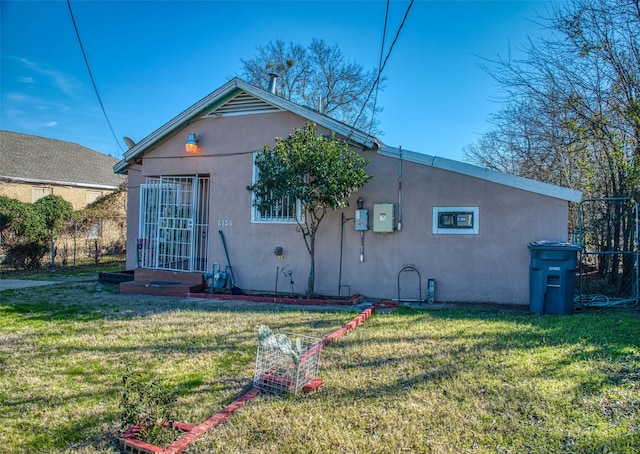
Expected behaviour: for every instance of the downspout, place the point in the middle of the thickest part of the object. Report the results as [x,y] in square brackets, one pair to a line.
[400,189]
[343,220]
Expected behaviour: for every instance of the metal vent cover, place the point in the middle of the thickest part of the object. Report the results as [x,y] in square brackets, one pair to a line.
[242,104]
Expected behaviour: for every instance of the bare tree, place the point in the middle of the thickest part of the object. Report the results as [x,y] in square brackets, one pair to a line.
[573,103]
[318,77]
[572,115]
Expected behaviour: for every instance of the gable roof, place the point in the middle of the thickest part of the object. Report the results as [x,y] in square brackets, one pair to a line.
[238,97]
[34,159]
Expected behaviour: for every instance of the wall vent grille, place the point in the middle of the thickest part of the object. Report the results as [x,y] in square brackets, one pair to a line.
[242,104]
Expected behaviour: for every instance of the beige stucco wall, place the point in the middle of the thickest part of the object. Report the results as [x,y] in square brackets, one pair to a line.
[77,243]
[77,196]
[489,267]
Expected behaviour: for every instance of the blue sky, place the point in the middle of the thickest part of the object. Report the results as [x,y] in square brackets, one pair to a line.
[153,59]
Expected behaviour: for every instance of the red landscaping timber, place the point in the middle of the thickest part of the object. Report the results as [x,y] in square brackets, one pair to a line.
[217,418]
[353,324]
[311,353]
[131,444]
[276,379]
[313,385]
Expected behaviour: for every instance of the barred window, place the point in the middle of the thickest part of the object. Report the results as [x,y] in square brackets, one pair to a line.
[279,211]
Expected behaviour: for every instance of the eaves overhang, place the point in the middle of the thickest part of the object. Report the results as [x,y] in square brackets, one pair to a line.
[11,179]
[224,94]
[525,184]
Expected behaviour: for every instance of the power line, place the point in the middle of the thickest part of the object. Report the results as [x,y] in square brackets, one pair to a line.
[384,35]
[95,88]
[377,81]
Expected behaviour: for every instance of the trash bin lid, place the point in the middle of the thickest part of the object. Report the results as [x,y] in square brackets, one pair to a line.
[554,245]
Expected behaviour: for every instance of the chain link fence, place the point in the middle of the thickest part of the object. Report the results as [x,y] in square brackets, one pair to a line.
[608,233]
[82,243]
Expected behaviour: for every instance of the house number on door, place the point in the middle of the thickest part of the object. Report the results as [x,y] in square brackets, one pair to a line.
[225,223]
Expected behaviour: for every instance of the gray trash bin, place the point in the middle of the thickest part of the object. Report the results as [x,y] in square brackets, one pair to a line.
[552,277]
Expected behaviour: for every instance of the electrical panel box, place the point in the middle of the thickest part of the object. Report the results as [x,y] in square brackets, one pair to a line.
[383,217]
[362,219]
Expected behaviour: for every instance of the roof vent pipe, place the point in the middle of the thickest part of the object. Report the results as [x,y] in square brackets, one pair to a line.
[272,82]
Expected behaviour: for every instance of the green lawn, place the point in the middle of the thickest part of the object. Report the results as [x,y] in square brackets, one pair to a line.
[440,380]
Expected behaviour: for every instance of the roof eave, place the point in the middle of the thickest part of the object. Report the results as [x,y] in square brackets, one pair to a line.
[172,126]
[12,179]
[526,184]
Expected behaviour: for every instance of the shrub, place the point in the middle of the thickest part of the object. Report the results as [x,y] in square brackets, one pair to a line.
[26,229]
[147,403]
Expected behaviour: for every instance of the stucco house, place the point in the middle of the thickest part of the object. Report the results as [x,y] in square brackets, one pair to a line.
[429,228]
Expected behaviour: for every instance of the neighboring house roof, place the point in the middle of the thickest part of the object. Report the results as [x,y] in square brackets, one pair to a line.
[237,97]
[34,159]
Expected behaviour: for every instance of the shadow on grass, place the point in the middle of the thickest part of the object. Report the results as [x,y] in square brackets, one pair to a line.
[605,341]
[439,345]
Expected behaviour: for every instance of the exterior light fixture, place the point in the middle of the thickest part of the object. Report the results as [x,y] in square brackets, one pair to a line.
[360,202]
[191,145]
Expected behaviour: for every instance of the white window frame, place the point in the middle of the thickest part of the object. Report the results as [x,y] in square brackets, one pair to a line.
[38,192]
[258,218]
[474,230]
[92,196]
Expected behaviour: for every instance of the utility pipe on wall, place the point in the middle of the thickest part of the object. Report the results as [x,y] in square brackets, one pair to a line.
[342,221]
[399,188]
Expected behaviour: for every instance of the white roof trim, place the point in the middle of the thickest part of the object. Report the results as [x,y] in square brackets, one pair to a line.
[57,183]
[482,173]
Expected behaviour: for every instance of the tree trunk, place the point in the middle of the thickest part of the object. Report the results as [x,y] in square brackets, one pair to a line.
[312,265]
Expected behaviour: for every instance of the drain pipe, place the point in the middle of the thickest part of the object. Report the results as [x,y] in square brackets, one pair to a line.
[400,189]
[342,220]
[275,290]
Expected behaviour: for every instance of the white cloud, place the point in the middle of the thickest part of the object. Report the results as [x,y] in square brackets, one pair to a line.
[35,102]
[64,82]
[26,80]
[16,97]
